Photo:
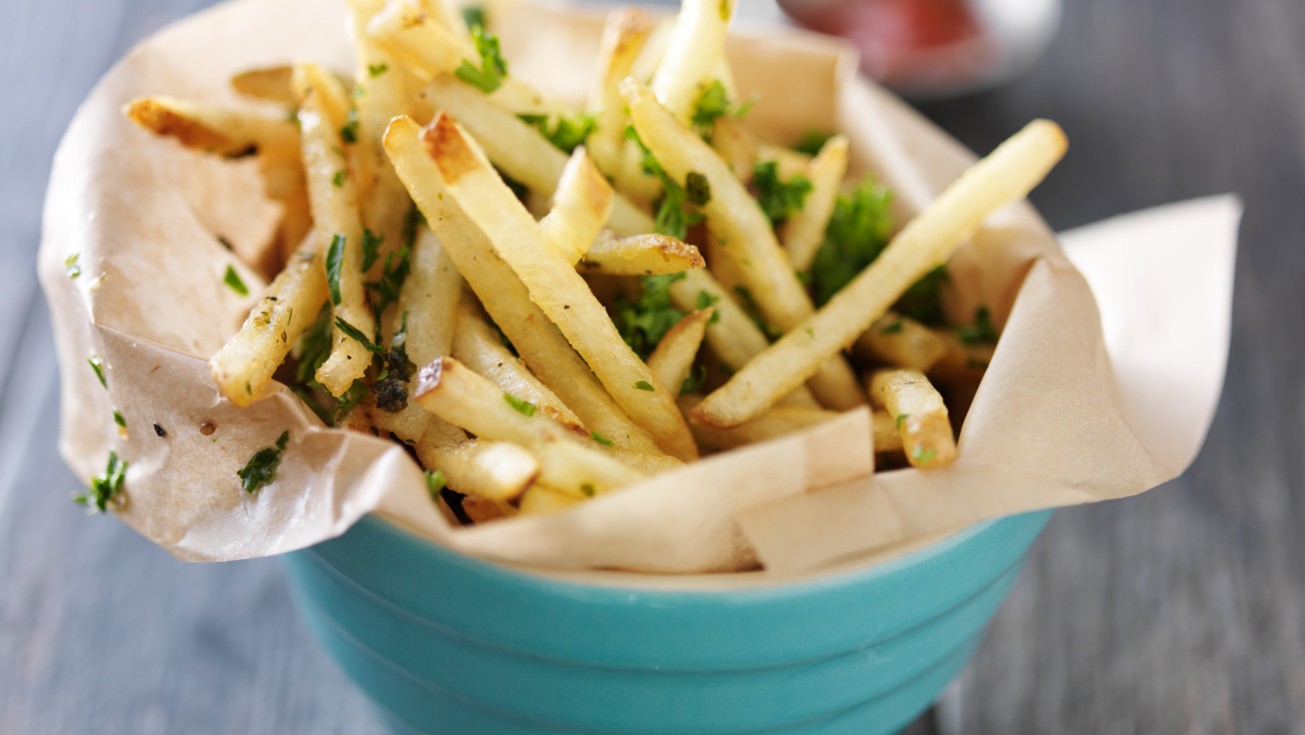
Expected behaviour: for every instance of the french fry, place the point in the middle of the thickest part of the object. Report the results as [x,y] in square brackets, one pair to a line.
[335,215]
[640,255]
[672,360]
[539,343]
[788,163]
[541,500]
[743,232]
[482,510]
[886,436]
[479,347]
[486,469]
[555,287]
[580,470]
[268,83]
[735,145]
[777,422]
[901,341]
[418,38]
[520,150]
[624,34]
[804,230]
[1004,176]
[582,204]
[920,415]
[961,362]
[244,366]
[695,48]
[213,129]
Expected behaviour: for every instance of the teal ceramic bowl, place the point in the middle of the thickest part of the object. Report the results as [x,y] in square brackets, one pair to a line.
[448,644]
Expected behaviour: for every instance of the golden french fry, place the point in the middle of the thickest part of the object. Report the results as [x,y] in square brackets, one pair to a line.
[334,205]
[521,151]
[672,361]
[735,145]
[578,469]
[430,296]
[886,436]
[213,129]
[418,38]
[539,343]
[244,366]
[582,204]
[554,286]
[486,469]
[1004,176]
[921,416]
[268,83]
[788,162]
[743,232]
[640,255]
[648,464]
[804,230]
[778,421]
[541,500]
[691,58]
[624,35]
[479,347]
[901,341]
[483,510]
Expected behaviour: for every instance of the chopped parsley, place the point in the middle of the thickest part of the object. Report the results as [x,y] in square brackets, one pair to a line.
[923,456]
[712,104]
[371,246]
[525,408]
[349,131]
[893,328]
[104,488]
[385,290]
[644,322]
[71,267]
[493,67]
[566,132]
[348,402]
[923,300]
[334,262]
[705,301]
[644,385]
[98,367]
[587,489]
[474,15]
[232,279]
[901,420]
[339,178]
[435,482]
[601,439]
[357,335]
[261,468]
[391,387]
[375,70]
[313,350]
[118,418]
[811,142]
[676,209]
[983,332]
[696,379]
[858,231]
[778,199]
[697,189]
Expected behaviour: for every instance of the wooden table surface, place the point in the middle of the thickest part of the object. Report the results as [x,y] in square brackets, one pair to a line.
[1182,611]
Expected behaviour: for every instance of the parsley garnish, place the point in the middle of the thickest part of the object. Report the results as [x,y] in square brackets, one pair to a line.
[71,267]
[397,265]
[339,178]
[713,103]
[118,419]
[357,335]
[858,231]
[351,398]
[675,215]
[923,456]
[983,331]
[901,419]
[566,132]
[98,367]
[643,323]
[923,300]
[644,385]
[601,439]
[493,67]
[894,328]
[778,199]
[696,379]
[104,487]
[697,189]
[261,468]
[474,15]
[525,408]
[314,349]
[334,262]
[391,385]
[349,131]
[371,245]
[375,70]
[435,482]
[811,142]
[587,488]
[232,279]
[706,300]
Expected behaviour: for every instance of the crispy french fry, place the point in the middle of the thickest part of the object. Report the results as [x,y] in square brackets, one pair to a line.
[244,366]
[920,414]
[672,361]
[541,500]
[640,255]
[743,232]
[886,436]
[479,347]
[735,145]
[582,204]
[520,150]
[418,38]
[691,58]
[554,286]
[539,343]
[804,230]
[334,204]
[482,510]
[624,35]
[1004,176]
[778,421]
[485,469]
[268,83]
[213,129]
[648,464]
[901,341]
[578,469]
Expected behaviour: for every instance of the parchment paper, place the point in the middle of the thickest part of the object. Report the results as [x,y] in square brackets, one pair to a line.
[1065,415]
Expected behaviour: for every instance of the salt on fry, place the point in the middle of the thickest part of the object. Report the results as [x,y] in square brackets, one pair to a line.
[920,414]
[1006,175]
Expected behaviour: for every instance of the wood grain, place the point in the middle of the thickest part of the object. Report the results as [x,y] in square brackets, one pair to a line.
[1180,611]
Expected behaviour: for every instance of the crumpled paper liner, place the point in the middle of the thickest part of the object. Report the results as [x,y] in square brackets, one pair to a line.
[1065,415]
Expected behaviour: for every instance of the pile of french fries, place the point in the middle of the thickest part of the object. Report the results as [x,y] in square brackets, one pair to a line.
[463,256]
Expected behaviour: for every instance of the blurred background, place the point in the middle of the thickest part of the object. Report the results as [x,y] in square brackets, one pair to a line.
[1180,611]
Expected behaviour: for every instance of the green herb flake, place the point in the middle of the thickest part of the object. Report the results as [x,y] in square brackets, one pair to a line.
[565,132]
[982,333]
[696,379]
[375,70]
[588,489]
[811,142]
[334,262]
[901,420]
[232,279]
[493,67]
[675,213]
[778,199]
[525,408]
[810,332]
[397,266]
[712,104]
[435,482]
[706,301]
[71,267]
[644,385]
[339,178]
[98,366]
[893,328]
[349,131]
[697,189]
[104,488]
[371,246]
[261,468]
[724,10]
[474,15]
[391,386]
[644,322]
[118,419]
[348,402]
[357,335]
[923,456]
[858,231]
[601,439]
